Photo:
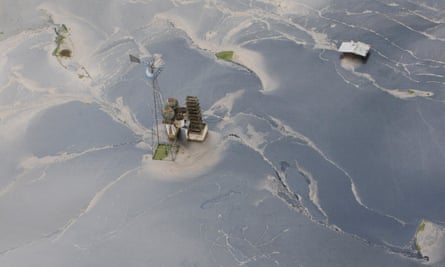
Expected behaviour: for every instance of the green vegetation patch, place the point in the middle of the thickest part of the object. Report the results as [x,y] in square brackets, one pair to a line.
[410,91]
[60,51]
[83,73]
[421,227]
[225,55]
[417,247]
[161,152]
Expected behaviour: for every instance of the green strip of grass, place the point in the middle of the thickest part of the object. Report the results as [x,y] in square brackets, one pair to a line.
[421,227]
[166,151]
[161,152]
[225,55]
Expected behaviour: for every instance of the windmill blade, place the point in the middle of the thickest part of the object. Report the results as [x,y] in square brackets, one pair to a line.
[134,59]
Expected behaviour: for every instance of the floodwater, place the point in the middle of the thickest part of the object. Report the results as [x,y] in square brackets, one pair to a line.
[312,159]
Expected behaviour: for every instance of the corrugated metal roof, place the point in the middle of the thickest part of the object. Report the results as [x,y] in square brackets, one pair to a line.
[357,48]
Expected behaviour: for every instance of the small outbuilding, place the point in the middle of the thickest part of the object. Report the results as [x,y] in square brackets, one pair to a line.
[356,48]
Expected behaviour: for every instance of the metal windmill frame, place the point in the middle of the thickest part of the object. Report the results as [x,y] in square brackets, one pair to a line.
[162,148]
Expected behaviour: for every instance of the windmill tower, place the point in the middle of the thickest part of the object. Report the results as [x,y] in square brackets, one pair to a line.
[163,148]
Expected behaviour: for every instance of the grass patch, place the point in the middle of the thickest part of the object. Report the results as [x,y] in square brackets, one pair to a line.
[225,55]
[411,92]
[417,247]
[163,151]
[62,33]
[421,227]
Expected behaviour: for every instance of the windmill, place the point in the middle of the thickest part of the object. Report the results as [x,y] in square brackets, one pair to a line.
[163,146]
